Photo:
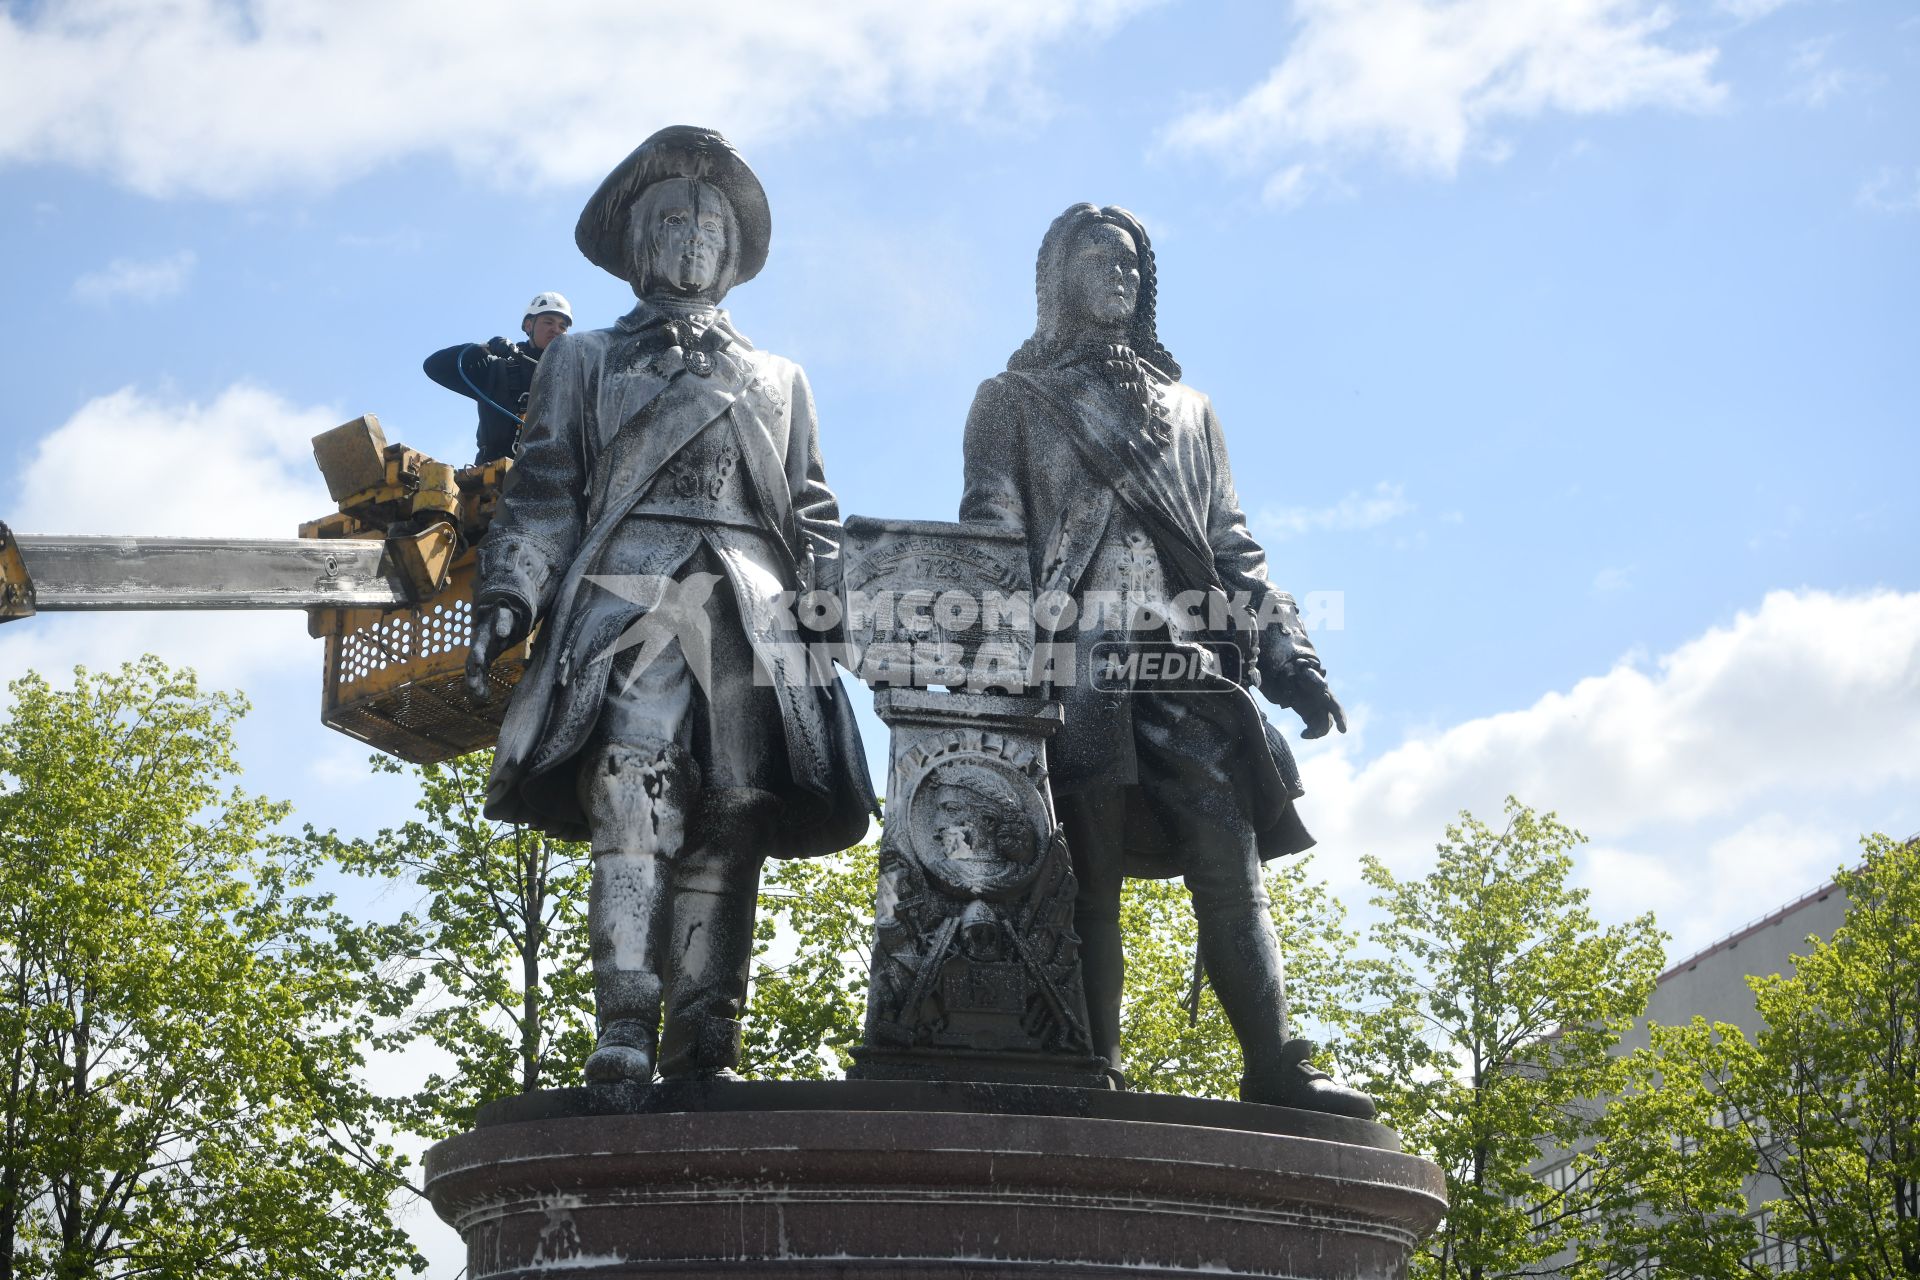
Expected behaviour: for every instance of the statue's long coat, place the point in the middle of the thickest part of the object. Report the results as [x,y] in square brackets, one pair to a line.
[1026,470]
[609,409]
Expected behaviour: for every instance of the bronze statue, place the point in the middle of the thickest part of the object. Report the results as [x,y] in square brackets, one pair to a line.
[668,491]
[1116,474]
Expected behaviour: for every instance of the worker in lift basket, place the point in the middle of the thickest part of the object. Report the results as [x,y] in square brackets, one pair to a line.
[499,374]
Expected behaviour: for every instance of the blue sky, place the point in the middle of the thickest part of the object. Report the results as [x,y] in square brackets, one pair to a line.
[1571,342]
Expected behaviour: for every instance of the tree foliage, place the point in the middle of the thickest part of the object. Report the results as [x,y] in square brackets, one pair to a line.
[1823,1104]
[812,947]
[492,962]
[1176,1036]
[1497,1003]
[495,968]
[180,1032]
[815,934]
[1663,1187]
[1835,1078]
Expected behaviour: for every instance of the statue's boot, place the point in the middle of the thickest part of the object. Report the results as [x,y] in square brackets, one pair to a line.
[636,795]
[710,952]
[1242,961]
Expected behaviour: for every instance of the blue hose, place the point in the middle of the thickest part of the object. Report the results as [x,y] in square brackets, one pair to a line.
[460,366]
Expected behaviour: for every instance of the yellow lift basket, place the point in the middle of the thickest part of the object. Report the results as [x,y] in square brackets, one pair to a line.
[395,678]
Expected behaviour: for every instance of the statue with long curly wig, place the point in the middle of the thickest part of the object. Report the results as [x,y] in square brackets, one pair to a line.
[1116,474]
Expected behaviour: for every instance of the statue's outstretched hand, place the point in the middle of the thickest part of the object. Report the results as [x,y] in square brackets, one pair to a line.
[493,634]
[1314,701]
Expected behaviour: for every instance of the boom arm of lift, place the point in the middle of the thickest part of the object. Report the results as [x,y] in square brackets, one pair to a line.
[386,579]
[49,573]
[401,517]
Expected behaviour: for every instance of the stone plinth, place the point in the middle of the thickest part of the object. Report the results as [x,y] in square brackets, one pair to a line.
[976,968]
[888,1178]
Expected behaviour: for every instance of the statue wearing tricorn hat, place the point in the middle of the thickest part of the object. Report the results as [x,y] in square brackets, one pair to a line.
[668,492]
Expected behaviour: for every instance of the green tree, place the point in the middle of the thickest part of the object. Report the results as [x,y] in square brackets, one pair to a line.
[812,950]
[497,966]
[181,1030]
[813,947]
[1824,1103]
[493,960]
[1663,1187]
[1176,1035]
[1835,1078]
[1498,1001]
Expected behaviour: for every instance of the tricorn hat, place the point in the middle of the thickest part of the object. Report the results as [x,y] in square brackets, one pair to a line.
[677,151]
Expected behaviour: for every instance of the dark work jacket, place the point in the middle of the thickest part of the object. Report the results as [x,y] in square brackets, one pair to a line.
[506,380]
[611,411]
[1024,472]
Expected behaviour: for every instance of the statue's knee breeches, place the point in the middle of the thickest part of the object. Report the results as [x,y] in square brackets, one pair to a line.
[639,797]
[1228,880]
[704,868]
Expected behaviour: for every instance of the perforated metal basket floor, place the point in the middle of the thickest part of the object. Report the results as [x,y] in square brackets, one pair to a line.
[396,678]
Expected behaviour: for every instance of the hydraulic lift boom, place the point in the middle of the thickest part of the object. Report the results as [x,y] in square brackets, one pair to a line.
[50,573]
[387,580]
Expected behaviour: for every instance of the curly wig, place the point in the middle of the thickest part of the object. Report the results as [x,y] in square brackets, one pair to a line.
[1052,334]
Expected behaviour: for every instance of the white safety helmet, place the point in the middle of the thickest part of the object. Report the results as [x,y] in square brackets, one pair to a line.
[547,302]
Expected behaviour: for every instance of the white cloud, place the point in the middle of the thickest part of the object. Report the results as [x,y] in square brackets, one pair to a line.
[1296,184]
[1612,579]
[1705,888]
[1288,188]
[1786,855]
[129,462]
[342,765]
[1682,770]
[1817,79]
[240,466]
[1354,512]
[226,97]
[1423,80]
[142,281]
[1890,191]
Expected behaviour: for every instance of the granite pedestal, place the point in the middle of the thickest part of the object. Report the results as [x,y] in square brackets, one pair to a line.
[925,1179]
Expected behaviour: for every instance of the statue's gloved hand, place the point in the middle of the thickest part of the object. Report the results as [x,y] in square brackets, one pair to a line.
[1309,695]
[496,628]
